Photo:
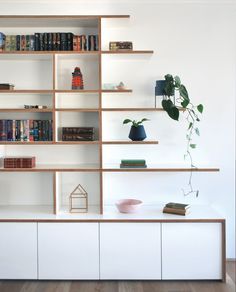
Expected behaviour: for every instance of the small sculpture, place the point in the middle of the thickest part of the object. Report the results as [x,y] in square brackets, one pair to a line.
[77,79]
[79,200]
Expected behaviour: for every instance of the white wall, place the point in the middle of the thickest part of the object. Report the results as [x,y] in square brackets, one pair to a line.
[197,41]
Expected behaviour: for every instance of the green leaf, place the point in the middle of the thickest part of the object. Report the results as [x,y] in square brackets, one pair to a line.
[169,78]
[197,131]
[173,113]
[185,103]
[190,125]
[183,92]
[144,120]
[167,104]
[177,81]
[200,108]
[126,121]
[193,146]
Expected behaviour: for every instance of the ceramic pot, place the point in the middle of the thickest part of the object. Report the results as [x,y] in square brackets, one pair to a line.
[137,133]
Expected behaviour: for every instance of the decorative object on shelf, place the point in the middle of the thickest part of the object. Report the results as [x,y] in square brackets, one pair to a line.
[6,86]
[137,131]
[77,79]
[28,106]
[114,86]
[19,162]
[121,86]
[78,133]
[176,208]
[128,205]
[171,86]
[133,163]
[79,200]
[120,46]
[160,90]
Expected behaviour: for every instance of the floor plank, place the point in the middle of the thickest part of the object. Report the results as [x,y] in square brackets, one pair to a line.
[123,286]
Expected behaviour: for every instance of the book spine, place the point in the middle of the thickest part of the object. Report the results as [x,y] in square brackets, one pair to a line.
[27,38]
[8,43]
[36,130]
[41,42]
[50,43]
[75,47]
[32,42]
[63,42]
[22,43]
[58,41]
[36,42]
[13,130]
[18,42]
[78,43]
[9,130]
[3,134]
[70,41]
[2,41]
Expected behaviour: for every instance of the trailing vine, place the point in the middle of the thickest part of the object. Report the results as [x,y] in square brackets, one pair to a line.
[172,86]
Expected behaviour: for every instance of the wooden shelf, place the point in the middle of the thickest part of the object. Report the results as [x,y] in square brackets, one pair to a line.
[56,167]
[136,109]
[133,52]
[20,110]
[49,91]
[77,109]
[48,142]
[27,91]
[157,168]
[129,142]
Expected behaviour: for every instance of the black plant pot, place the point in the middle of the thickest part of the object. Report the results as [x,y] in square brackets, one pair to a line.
[137,133]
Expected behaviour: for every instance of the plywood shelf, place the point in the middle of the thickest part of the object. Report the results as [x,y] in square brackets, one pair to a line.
[129,142]
[77,109]
[130,52]
[22,110]
[48,143]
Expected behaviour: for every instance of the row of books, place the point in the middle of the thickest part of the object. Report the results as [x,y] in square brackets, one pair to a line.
[6,86]
[133,163]
[49,41]
[78,134]
[176,208]
[26,130]
[19,162]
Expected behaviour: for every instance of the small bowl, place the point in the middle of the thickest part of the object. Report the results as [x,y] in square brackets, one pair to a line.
[128,205]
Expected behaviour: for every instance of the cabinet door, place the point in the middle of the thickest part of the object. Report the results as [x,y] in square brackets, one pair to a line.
[130,251]
[68,251]
[18,250]
[191,251]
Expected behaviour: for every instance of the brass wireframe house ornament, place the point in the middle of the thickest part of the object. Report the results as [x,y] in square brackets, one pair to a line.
[79,200]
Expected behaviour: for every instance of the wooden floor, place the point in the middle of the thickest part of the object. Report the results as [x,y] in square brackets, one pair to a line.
[123,286]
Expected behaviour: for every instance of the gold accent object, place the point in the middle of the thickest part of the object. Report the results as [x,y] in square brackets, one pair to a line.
[79,200]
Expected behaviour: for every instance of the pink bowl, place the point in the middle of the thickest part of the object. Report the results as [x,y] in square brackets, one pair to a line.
[128,205]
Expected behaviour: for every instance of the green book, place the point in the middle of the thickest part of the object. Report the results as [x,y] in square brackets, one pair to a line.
[177,206]
[133,161]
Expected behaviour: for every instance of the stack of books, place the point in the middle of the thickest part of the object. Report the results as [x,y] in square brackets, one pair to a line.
[49,41]
[26,130]
[176,208]
[133,163]
[78,134]
[6,86]
[19,162]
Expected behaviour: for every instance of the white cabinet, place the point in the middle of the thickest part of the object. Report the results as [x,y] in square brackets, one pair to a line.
[68,250]
[18,250]
[191,251]
[130,251]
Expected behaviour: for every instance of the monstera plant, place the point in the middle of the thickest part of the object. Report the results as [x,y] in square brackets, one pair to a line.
[176,100]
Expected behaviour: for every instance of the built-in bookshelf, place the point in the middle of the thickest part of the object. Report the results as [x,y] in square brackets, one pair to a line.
[44,77]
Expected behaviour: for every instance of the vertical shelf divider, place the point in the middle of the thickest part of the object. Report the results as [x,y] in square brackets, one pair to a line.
[100,113]
[54,97]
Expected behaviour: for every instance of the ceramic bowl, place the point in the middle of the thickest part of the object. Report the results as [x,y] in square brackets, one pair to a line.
[128,205]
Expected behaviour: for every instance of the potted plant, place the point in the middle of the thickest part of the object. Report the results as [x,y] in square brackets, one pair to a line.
[176,98]
[137,131]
